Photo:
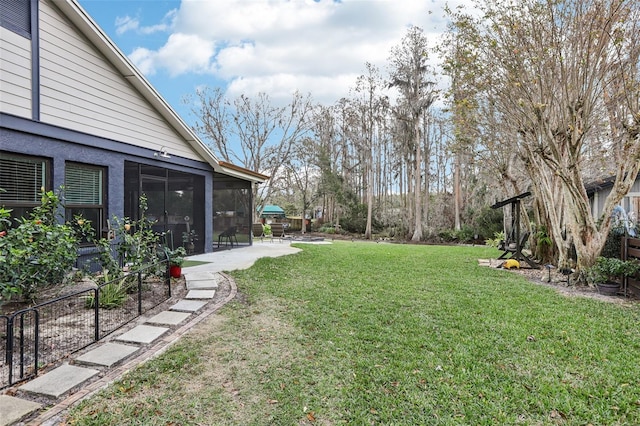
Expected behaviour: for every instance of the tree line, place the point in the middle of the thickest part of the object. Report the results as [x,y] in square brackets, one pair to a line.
[541,95]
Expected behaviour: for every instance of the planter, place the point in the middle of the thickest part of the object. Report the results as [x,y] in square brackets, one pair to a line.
[608,289]
[175,271]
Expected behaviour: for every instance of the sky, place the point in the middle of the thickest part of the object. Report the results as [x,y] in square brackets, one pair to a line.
[277,47]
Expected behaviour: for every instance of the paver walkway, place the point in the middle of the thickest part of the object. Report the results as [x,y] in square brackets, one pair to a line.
[75,380]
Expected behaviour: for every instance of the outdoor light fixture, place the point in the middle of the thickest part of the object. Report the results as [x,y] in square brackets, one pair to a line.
[163,153]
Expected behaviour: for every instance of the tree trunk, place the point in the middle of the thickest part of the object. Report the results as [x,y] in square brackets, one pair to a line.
[457,196]
[417,230]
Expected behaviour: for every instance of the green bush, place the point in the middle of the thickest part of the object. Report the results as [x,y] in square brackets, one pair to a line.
[39,252]
[497,239]
[608,269]
[111,296]
[447,235]
[465,235]
[612,245]
[487,222]
[137,241]
[327,229]
[135,245]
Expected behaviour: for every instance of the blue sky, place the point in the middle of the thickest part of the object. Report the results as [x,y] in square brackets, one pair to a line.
[249,46]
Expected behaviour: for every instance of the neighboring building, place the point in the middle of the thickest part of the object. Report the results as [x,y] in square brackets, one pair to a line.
[599,190]
[74,111]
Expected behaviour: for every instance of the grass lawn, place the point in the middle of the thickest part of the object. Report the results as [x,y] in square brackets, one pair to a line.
[364,334]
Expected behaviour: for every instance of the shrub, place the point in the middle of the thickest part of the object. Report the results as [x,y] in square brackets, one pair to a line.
[447,235]
[135,244]
[498,238]
[327,229]
[612,245]
[465,234]
[137,241]
[608,269]
[487,222]
[37,253]
[111,296]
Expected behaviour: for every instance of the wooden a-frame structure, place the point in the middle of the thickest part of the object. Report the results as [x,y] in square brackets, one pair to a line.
[515,240]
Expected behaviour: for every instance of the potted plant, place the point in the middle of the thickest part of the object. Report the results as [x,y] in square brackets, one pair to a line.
[607,272]
[176,259]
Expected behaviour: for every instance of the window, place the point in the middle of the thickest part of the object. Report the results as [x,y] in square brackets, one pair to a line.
[84,194]
[15,15]
[22,179]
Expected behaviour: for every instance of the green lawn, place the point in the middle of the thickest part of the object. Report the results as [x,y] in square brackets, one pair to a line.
[363,333]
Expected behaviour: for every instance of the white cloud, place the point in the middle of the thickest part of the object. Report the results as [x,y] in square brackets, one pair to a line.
[281,46]
[183,53]
[126,23]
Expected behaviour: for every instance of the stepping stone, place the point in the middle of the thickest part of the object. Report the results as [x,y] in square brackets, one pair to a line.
[142,334]
[200,294]
[200,276]
[201,280]
[13,409]
[107,354]
[57,382]
[188,305]
[169,318]
[202,285]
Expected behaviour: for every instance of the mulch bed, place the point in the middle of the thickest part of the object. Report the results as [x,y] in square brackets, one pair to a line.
[67,326]
[559,282]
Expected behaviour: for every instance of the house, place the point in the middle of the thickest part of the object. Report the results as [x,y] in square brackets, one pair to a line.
[75,112]
[599,190]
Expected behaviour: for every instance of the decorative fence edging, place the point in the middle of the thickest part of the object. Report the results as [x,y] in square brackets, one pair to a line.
[40,335]
[631,250]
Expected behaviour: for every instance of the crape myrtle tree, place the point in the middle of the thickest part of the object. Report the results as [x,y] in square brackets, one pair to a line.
[252,132]
[562,74]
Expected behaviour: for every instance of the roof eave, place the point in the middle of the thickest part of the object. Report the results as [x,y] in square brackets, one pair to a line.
[237,171]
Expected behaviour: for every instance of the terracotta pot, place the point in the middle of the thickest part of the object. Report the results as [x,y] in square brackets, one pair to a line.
[175,271]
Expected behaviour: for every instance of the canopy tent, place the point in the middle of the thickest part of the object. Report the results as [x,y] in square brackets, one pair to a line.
[272,211]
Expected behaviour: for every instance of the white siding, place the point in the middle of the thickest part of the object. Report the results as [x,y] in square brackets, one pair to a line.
[15,74]
[81,90]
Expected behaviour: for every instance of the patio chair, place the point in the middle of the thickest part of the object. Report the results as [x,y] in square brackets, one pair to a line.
[228,235]
[277,231]
[257,231]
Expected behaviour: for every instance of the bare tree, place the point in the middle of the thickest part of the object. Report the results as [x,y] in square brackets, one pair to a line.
[252,132]
[302,174]
[369,112]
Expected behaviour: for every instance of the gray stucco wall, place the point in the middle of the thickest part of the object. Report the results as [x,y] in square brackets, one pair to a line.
[21,136]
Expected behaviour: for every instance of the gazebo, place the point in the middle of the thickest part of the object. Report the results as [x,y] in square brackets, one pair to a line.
[272,211]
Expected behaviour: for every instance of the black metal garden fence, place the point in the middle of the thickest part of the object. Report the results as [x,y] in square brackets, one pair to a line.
[35,337]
